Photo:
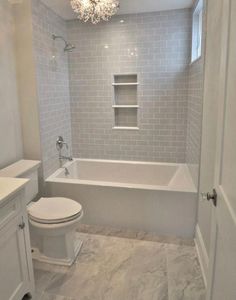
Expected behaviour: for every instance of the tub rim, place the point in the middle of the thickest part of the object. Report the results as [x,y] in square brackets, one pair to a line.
[180,167]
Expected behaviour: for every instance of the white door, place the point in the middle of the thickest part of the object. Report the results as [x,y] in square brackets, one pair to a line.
[209,124]
[222,267]
[13,263]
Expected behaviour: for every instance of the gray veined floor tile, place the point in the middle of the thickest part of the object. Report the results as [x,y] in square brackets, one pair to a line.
[111,268]
[185,281]
[42,278]
[133,234]
[46,296]
[38,296]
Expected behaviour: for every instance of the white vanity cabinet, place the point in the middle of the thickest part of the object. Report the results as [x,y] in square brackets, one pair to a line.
[16,271]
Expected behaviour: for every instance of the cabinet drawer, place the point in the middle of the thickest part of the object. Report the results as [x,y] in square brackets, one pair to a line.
[9,209]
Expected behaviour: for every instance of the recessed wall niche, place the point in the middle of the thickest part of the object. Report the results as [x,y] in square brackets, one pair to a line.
[125,103]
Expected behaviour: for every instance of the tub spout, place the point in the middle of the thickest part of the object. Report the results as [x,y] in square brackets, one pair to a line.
[62,157]
[66,171]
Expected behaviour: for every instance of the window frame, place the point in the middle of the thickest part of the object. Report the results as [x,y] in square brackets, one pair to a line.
[197,29]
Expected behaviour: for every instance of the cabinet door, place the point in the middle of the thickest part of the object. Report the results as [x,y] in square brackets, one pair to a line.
[13,262]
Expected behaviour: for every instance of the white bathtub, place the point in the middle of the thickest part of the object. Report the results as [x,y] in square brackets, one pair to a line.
[155,197]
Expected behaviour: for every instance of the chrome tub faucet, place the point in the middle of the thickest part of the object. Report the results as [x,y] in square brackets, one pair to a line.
[67,173]
[62,157]
[59,145]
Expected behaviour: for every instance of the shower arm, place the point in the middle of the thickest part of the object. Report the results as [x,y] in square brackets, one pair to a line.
[68,47]
[55,37]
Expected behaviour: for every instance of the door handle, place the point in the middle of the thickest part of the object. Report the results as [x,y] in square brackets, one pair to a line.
[210,197]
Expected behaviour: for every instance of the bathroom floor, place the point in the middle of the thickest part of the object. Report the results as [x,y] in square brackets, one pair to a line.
[115,268]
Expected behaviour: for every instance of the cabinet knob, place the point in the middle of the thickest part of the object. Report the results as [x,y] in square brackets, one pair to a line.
[22,225]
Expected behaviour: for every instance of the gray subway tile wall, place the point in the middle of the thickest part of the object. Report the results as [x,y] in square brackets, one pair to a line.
[195,99]
[76,95]
[52,83]
[156,46]
[195,106]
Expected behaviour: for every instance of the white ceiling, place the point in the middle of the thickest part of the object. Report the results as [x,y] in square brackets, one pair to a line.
[63,8]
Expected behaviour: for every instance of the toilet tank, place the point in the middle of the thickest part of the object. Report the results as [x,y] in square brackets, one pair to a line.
[25,169]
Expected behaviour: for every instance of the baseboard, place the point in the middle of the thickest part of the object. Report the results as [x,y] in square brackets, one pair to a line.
[202,253]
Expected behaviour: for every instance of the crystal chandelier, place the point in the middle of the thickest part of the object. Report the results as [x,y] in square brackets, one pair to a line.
[95,10]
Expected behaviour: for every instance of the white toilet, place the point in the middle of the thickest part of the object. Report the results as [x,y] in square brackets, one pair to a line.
[53,221]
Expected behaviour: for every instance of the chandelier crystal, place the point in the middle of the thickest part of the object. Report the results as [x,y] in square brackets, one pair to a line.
[95,10]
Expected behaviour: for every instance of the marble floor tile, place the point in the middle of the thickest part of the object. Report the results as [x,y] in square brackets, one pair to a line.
[133,234]
[185,281]
[46,296]
[42,277]
[112,268]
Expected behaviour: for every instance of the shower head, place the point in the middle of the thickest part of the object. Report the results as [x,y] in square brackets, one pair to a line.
[68,47]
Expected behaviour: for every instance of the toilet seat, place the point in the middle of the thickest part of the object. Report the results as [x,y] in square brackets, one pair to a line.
[54,210]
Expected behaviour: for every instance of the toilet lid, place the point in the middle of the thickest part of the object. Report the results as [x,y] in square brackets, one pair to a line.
[54,210]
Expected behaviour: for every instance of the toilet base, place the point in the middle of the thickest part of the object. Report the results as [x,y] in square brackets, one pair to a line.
[38,256]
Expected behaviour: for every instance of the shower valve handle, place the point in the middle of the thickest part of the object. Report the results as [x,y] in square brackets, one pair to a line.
[60,143]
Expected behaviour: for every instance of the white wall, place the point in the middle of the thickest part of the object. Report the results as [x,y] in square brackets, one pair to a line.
[27,85]
[10,127]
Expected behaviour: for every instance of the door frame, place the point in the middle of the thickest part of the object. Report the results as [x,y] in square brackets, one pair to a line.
[224,207]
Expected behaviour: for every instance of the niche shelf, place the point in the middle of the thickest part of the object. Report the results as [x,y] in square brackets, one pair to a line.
[125,106]
[125,84]
[125,128]
[125,103]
